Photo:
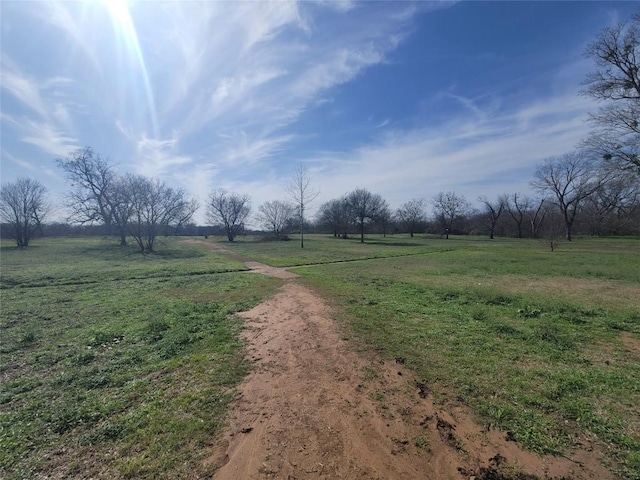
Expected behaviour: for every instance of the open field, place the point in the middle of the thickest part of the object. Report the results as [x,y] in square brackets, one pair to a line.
[544,345]
[114,364]
[119,365]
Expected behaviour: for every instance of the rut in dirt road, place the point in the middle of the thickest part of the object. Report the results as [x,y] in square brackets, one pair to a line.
[312,408]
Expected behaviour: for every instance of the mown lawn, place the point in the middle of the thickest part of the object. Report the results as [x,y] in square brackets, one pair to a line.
[542,344]
[115,365]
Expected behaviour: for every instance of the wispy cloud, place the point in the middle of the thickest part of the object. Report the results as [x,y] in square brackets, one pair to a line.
[48,138]
[47,122]
[257,67]
[21,86]
[155,158]
[233,94]
[466,155]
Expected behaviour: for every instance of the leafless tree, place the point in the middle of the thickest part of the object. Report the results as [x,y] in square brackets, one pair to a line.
[364,206]
[230,210]
[449,207]
[412,214]
[538,216]
[570,179]
[616,82]
[23,207]
[275,215]
[334,214]
[518,207]
[611,207]
[384,218]
[155,207]
[97,195]
[302,194]
[493,211]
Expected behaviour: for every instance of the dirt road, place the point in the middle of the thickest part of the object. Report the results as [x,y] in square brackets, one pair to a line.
[312,408]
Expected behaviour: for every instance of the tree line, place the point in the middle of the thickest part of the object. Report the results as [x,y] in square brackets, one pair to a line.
[594,189]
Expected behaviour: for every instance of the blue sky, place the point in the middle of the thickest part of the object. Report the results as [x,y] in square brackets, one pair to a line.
[404,99]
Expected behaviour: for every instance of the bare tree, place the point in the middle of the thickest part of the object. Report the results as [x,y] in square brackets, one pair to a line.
[302,194]
[334,214]
[611,207]
[412,214]
[97,195]
[364,206]
[384,218]
[448,208]
[23,207]
[518,207]
[538,216]
[155,207]
[275,215]
[616,52]
[231,210]
[570,179]
[493,210]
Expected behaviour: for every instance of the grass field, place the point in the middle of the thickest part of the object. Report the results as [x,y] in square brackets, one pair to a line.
[545,345]
[116,364]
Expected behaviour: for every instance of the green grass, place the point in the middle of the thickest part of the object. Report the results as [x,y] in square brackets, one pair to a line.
[529,339]
[117,365]
[61,261]
[326,249]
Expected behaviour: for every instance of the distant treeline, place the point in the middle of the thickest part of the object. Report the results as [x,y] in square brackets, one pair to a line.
[474,223]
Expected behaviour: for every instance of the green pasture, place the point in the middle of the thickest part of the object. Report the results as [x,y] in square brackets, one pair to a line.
[119,365]
[60,261]
[326,249]
[115,365]
[545,345]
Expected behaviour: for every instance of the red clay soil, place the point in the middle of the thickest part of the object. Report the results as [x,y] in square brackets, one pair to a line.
[313,408]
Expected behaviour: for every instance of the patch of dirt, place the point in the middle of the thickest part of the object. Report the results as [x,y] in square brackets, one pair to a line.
[213,247]
[282,273]
[313,408]
[270,271]
[631,344]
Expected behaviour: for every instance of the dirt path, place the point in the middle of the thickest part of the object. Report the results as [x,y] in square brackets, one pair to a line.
[312,408]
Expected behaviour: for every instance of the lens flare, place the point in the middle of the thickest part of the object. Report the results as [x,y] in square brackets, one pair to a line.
[128,42]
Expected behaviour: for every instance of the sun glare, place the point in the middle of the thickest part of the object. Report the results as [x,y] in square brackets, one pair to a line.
[119,10]
[130,46]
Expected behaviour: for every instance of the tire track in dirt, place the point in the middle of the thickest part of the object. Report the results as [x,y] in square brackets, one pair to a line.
[313,408]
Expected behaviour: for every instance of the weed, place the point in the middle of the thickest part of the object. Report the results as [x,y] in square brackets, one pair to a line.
[370,373]
[422,444]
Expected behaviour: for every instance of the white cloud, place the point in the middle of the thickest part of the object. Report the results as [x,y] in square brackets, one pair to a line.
[155,158]
[465,155]
[22,87]
[52,131]
[253,68]
[230,81]
[45,136]
[242,149]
